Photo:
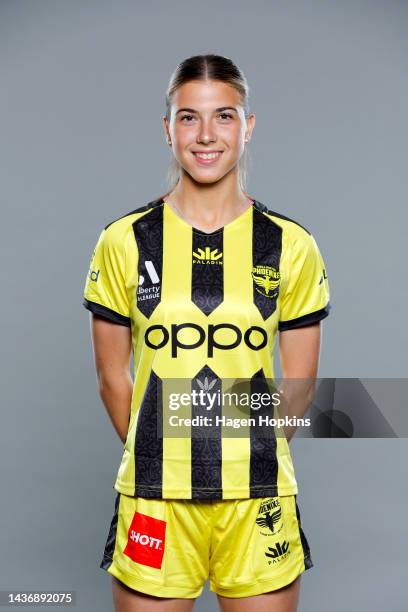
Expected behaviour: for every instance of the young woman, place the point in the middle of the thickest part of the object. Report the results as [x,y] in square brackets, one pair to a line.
[197,283]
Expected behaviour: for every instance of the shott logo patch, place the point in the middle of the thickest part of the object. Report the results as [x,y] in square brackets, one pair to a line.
[207,256]
[278,552]
[146,540]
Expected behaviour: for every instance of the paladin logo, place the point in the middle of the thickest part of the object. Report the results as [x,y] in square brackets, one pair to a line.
[278,553]
[270,517]
[148,293]
[267,280]
[207,256]
[206,385]
[146,540]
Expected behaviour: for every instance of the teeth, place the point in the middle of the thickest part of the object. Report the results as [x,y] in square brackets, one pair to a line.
[207,155]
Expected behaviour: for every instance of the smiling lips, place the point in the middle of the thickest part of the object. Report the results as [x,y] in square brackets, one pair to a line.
[206,158]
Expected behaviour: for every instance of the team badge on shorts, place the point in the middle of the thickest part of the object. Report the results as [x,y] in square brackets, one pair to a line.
[267,280]
[146,540]
[270,517]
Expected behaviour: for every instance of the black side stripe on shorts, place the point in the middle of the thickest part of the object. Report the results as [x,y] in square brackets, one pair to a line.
[111,541]
[305,545]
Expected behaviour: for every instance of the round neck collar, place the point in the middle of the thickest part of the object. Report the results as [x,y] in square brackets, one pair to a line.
[228,225]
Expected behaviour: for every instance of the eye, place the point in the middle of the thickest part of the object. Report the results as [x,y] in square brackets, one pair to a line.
[187,117]
[225,116]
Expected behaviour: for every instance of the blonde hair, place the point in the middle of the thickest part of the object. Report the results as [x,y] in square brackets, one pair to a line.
[216,68]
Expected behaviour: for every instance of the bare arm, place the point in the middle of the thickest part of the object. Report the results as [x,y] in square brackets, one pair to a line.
[112,346]
[299,351]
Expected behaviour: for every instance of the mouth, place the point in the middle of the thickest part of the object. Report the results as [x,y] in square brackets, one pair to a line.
[207,158]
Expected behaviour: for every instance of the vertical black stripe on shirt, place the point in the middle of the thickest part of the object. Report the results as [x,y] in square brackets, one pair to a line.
[207,285]
[111,540]
[263,470]
[148,231]
[206,448]
[266,251]
[148,451]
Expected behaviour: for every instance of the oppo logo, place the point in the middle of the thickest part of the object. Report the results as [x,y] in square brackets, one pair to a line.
[254,337]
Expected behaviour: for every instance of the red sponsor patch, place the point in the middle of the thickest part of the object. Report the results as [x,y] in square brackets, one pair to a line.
[146,540]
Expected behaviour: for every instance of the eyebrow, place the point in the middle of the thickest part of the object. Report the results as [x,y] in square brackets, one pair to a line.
[217,110]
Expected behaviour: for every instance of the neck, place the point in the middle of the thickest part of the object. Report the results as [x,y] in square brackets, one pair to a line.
[208,206]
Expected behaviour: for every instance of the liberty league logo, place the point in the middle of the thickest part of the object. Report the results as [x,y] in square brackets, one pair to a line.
[146,290]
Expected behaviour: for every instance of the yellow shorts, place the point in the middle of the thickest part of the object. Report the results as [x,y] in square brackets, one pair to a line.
[169,547]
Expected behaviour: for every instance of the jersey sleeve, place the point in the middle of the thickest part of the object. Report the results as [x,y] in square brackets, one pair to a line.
[306,299]
[105,288]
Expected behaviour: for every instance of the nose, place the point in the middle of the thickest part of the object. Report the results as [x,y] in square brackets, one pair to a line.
[206,133]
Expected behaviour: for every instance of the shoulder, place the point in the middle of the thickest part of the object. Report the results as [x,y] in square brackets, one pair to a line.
[294,232]
[119,229]
[287,223]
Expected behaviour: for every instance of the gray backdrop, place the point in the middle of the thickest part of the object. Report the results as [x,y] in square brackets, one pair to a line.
[82,95]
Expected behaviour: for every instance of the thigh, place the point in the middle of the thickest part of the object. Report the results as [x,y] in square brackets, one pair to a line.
[282,600]
[157,547]
[128,600]
[258,546]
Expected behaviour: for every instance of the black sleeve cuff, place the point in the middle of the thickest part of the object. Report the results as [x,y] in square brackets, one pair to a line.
[309,319]
[106,313]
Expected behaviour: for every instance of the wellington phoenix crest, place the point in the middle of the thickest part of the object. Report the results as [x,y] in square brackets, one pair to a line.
[267,280]
[270,516]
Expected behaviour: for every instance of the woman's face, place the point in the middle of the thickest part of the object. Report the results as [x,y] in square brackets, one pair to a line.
[207,129]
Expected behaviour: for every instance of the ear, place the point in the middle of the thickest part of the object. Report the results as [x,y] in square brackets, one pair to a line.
[166,130]
[250,122]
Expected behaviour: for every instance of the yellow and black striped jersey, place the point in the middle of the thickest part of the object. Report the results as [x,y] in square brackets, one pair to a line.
[204,307]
